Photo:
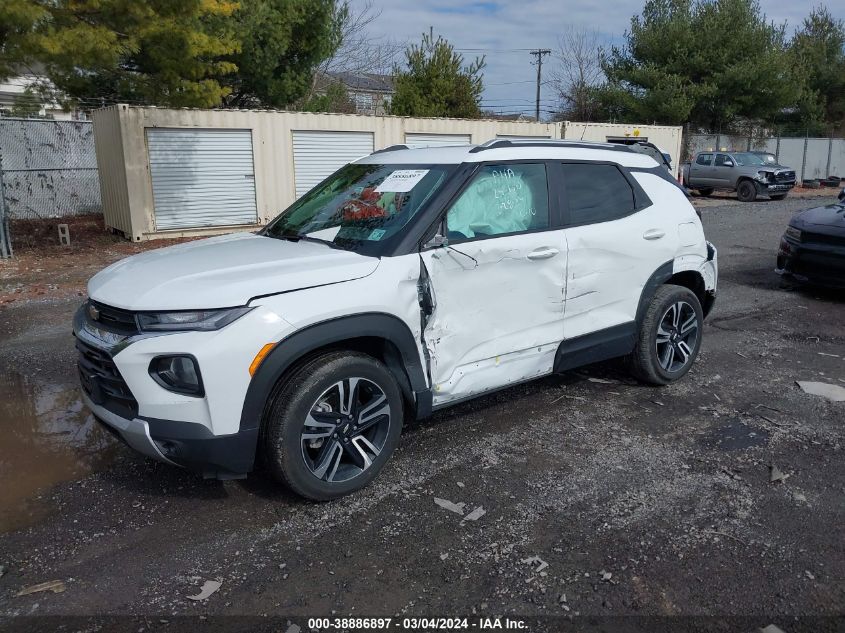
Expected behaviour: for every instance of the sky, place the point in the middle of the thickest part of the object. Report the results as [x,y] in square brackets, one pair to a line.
[505,30]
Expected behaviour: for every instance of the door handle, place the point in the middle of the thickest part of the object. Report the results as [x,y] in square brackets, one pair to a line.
[653,234]
[544,252]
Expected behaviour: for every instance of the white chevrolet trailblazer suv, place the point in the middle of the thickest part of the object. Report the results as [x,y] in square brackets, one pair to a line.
[407,281]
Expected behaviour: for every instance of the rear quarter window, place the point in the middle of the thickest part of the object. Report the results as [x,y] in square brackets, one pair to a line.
[596,193]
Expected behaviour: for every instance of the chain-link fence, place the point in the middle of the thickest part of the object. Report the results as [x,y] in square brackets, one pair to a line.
[49,168]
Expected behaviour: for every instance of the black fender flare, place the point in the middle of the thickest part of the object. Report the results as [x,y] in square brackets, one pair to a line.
[292,348]
[658,278]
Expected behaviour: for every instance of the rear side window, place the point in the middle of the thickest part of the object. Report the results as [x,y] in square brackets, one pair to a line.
[703,159]
[596,193]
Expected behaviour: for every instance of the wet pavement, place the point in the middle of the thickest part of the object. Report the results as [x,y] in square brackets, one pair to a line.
[667,489]
[48,438]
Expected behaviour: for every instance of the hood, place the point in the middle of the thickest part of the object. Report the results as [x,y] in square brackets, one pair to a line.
[223,271]
[829,220]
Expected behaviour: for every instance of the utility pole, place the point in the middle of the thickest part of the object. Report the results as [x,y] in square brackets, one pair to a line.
[539,53]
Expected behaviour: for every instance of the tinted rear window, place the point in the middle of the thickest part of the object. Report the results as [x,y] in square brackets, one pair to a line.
[596,193]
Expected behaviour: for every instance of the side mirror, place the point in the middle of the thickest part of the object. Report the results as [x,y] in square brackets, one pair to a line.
[437,241]
[728,163]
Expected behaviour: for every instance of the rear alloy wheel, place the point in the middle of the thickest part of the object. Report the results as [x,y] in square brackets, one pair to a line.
[746,191]
[333,425]
[670,336]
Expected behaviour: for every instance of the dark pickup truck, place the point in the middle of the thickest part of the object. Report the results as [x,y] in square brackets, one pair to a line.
[748,173]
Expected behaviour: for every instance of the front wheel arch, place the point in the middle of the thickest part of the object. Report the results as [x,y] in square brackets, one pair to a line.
[350,333]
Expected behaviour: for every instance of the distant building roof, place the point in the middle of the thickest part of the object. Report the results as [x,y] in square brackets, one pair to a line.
[364,81]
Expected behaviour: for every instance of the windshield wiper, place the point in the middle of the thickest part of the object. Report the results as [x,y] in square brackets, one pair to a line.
[295,237]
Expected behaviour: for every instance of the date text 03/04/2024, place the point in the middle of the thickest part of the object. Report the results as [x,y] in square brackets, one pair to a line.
[415,624]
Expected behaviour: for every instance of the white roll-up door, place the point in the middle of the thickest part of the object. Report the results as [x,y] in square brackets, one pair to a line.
[436,140]
[317,155]
[202,177]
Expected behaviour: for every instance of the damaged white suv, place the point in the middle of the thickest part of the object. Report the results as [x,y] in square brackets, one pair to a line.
[407,281]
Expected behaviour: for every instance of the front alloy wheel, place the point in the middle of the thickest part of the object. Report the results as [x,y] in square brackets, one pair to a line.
[346,429]
[332,425]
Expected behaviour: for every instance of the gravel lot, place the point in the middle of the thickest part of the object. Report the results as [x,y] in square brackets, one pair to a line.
[603,497]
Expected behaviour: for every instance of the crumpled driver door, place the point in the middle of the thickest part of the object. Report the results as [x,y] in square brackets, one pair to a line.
[497,299]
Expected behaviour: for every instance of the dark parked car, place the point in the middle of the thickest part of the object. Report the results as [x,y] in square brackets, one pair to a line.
[812,249]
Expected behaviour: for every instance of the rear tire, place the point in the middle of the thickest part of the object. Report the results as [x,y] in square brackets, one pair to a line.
[669,336]
[746,191]
[332,425]
[705,192]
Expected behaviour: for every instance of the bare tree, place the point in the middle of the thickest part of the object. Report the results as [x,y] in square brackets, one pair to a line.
[359,52]
[578,73]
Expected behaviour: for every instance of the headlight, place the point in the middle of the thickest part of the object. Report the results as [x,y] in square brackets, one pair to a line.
[204,320]
[793,233]
[179,374]
[764,176]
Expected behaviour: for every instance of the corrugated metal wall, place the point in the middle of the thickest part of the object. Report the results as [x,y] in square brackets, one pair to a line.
[437,140]
[291,151]
[108,141]
[666,137]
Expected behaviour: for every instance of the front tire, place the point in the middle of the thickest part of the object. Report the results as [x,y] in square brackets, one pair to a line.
[333,425]
[669,337]
[746,191]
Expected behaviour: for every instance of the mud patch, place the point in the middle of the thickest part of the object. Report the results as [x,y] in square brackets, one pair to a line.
[735,436]
[47,437]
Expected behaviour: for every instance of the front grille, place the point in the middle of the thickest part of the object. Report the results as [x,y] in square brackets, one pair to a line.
[785,176]
[821,238]
[114,319]
[103,383]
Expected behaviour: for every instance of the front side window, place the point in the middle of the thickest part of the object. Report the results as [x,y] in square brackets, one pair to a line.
[703,159]
[501,199]
[360,205]
[722,160]
[596,193]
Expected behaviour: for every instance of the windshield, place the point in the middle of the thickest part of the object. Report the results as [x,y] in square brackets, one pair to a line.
[750,158]
[360,205]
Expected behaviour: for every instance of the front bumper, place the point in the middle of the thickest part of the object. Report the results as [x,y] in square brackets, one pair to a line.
[770,188]
[817,264]
[190,446]
[117,388]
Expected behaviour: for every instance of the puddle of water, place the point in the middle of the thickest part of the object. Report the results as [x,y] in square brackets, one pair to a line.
[736,436]
[47,436]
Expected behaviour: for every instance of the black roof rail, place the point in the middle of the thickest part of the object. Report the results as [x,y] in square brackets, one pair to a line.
[504,142]
[392,148]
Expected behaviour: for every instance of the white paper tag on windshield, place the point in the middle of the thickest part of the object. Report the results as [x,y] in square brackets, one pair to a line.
[401,180]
